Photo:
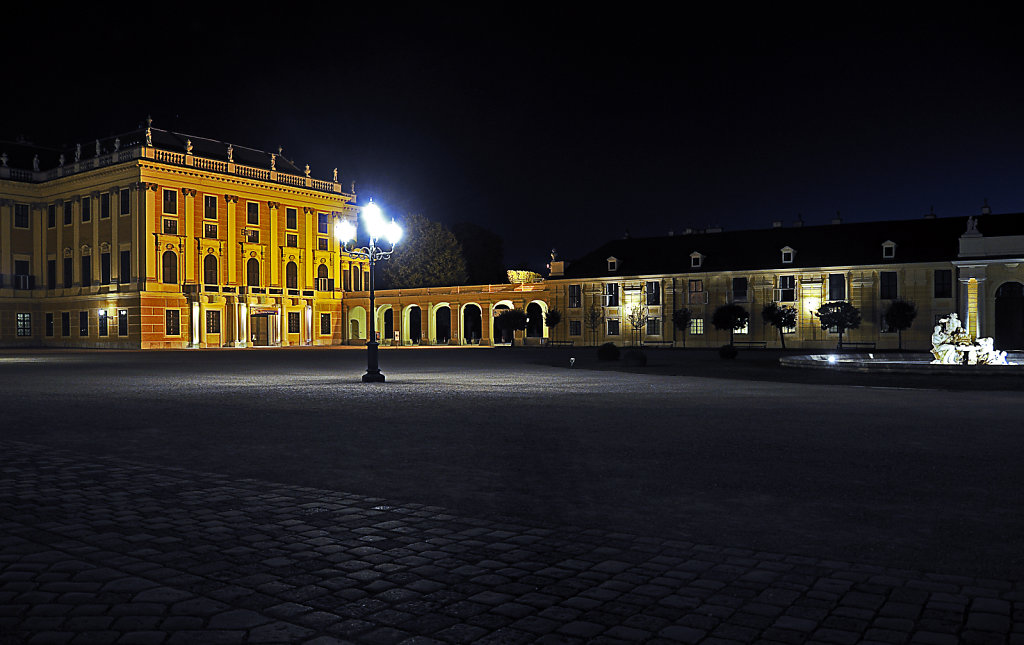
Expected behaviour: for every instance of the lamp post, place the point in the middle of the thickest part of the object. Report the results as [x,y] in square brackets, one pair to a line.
[377,228]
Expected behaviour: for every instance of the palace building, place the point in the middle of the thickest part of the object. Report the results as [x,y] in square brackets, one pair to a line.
[155,239]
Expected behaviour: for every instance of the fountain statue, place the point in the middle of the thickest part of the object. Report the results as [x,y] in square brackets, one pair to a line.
[952,345]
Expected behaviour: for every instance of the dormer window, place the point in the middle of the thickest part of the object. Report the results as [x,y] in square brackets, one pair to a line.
[787,255]
[696,260]
[888,250]
[613,263]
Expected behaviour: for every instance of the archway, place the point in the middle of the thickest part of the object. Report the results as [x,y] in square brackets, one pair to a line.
[389,325]
[1009,327]
[497,335]
[534,320]
[357,323]
[412,321]
[472,327]
[442,324]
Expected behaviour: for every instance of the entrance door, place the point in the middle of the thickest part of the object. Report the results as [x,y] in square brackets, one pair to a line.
[1010,316]
[261,330]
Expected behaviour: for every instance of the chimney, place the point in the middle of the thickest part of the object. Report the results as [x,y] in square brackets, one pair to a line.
[985,210]
[799,221]
[931,213]
[837,219]
[671,233]
[777,223]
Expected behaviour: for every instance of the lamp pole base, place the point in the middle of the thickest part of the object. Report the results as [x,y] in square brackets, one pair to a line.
[373,374]
[373,377]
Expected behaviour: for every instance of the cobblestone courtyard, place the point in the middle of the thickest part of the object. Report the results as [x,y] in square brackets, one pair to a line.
[262,497]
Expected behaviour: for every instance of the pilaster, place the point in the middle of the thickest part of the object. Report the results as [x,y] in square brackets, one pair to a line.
[189,198]
[233,233]
[275,263]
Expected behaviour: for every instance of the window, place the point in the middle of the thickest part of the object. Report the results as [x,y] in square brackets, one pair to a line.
[49,324]
[212,321]
[613,327]
[24,324]
[611,295]
[104,205]
[613,264]
[86,209]
[787,255]
[210,231]
[172,322]
[291,276]
[21,216]
[252,213]
[888,250]
[252,235]
[125,272]
[291,218]
[170,202]
[697,295]
[787,289]
[696,326]
[103,327]
[252,272]
[125,202]
[210,269]
[654,326]
[22,280]
[739,289]
[696,259]
[653,292]
[51,274]
[83,323]
[68,273]
[65,323]
[943,283]
[325,324]
[170,267]
[575,296]
[789,330]
[887,285]
[210,206]
[836,286]
[321,224]
[67,213]
[321,243]
[122,322]
[104,268]
[745,329]
[86,270]
[291,240]
[51,216]
[575,328]
[170,227]
[357,278]
[294,322]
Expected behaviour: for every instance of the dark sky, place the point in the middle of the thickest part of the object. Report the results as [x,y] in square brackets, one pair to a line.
[557,129]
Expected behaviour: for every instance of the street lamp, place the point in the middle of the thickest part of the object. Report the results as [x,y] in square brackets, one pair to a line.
[377,228]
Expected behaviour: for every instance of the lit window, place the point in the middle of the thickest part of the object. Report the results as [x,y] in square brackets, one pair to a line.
[696,326]
[103,322]
[25,324]
[611,294]
[212,321]
[122,322]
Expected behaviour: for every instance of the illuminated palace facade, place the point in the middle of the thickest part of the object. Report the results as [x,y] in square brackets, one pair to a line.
[160,240]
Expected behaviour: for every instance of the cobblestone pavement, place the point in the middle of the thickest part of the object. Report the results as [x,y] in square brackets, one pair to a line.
[99,550]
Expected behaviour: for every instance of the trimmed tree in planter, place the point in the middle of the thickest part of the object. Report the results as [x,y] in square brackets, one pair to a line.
[900,315]
[730,317]
[840,316]
[681,319]
[780,317]
[510,321]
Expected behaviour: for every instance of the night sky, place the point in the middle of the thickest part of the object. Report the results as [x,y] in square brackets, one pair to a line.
[556,129]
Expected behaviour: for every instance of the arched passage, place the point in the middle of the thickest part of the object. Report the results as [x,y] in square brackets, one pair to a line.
[357,323]
[497,334]
[441,323]
[412,322]
[378,323]
[534,320]
[472,327]
[389,325]
[1009,327]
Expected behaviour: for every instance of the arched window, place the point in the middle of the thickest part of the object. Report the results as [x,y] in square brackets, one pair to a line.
[321,271]
[210,270]
[322,283]
[291,276]
[252,272]
[170,267]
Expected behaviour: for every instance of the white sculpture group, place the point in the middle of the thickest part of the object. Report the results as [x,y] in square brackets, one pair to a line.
[952,345]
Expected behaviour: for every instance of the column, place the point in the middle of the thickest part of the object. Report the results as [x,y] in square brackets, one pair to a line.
[486,320]
[95,244]
[76,242]
[147,208]
[6,215]
[274,278]
[115,247]
[455,323]
[308,226]
[233,233]
[188,197]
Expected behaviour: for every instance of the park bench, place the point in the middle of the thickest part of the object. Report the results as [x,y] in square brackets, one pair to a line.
[560,343]
[849,345]
[656,343]
[751,344]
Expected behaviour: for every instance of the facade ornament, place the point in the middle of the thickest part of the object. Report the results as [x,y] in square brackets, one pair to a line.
[188,146]
[231,153]
[60,160]
[149,136]
[953,345]
[307,170]
[78,152]
[3,160]
[335,175]
[353,191]
[554,255]
[97,147]
[972,227]
[273,161]
[280,150]
[117,144]
[35,163]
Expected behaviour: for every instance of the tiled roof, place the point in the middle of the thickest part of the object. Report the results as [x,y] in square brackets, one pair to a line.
[918,240]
